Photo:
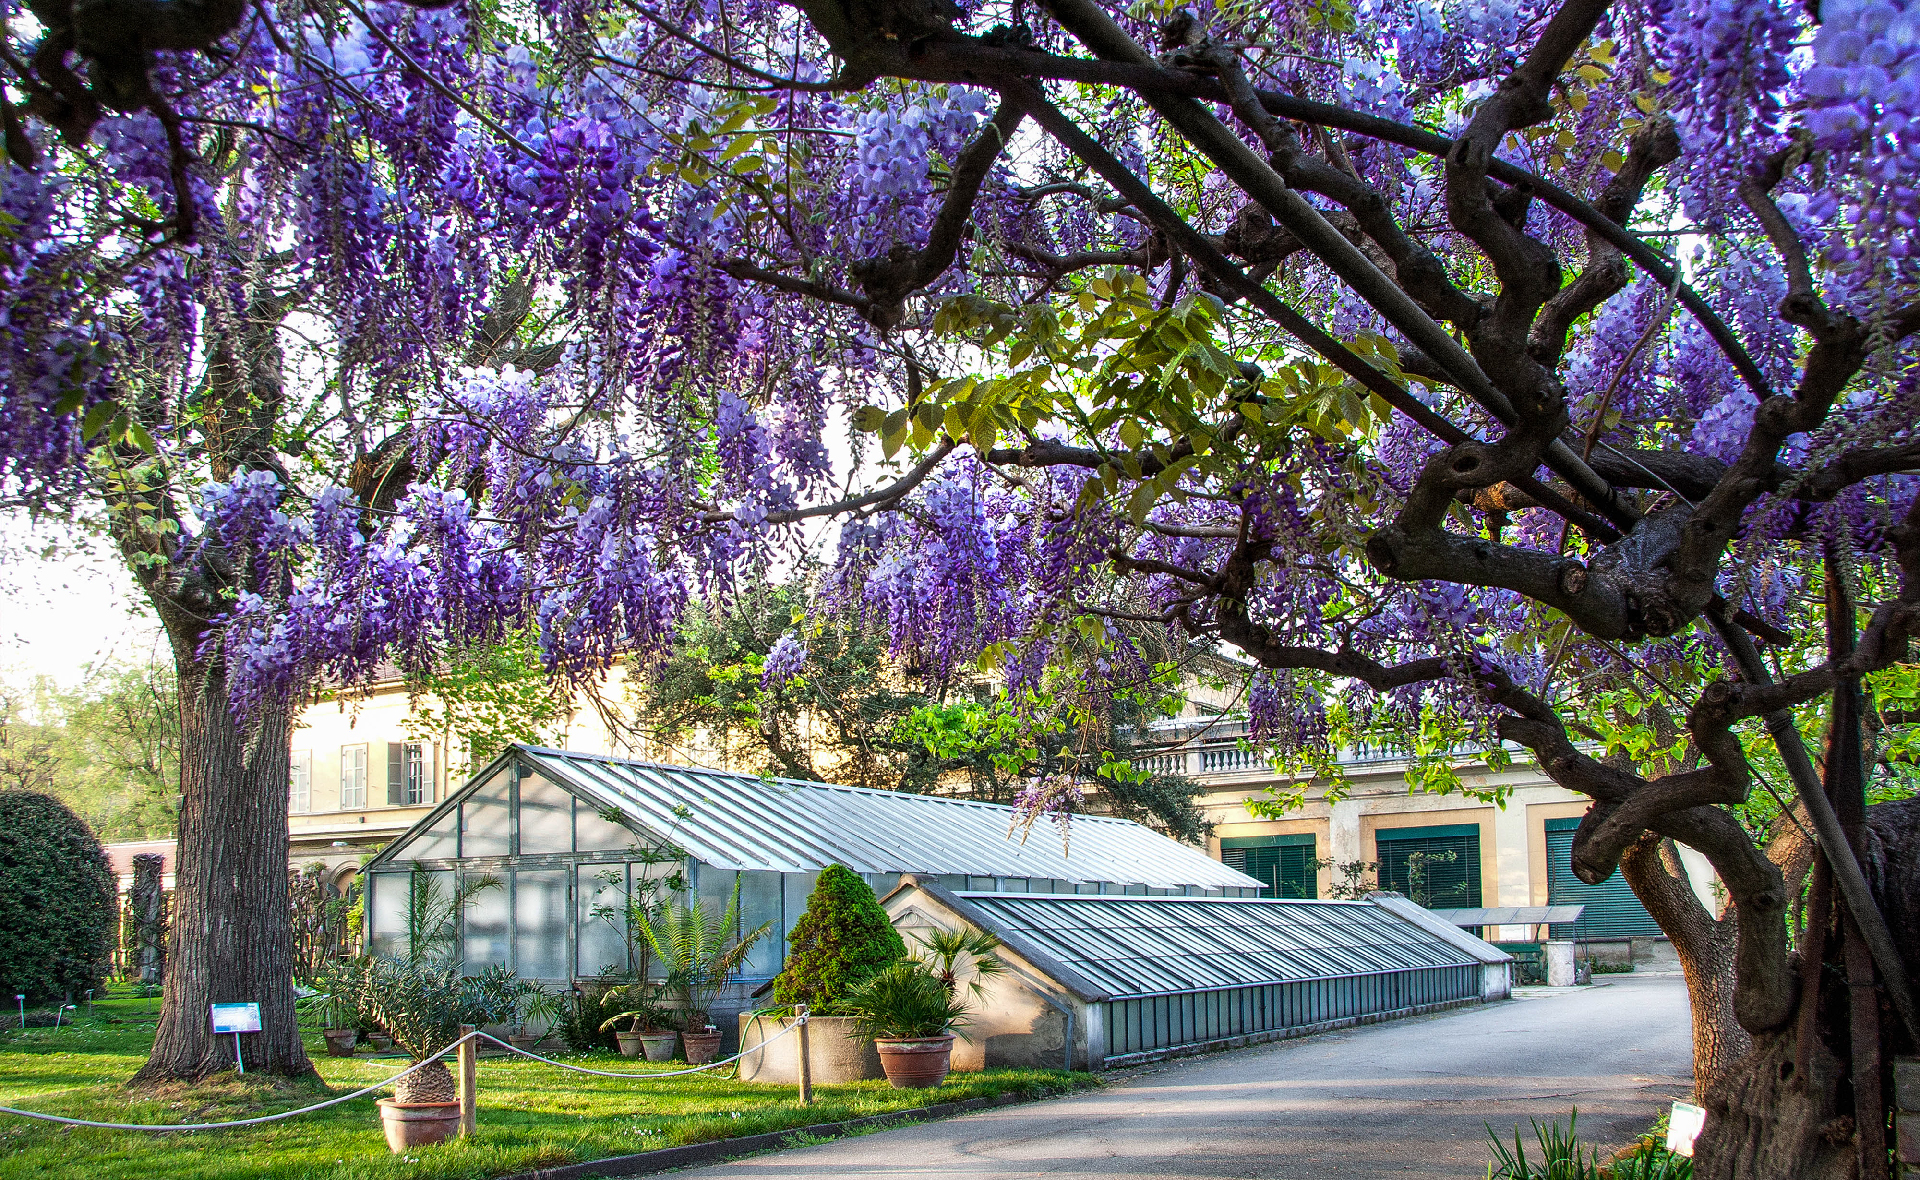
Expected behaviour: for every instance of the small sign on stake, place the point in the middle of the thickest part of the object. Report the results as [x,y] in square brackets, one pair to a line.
[1683,1127]
[236,1019]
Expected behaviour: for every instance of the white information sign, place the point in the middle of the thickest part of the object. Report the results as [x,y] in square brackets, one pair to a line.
[236,1018]
[1683,1127]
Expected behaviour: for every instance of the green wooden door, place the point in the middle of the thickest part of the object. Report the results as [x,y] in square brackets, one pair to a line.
[1438,867]
[1612,909]
[1284,864]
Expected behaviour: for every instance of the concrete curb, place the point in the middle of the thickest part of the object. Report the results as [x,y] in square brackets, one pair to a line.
[667,1158]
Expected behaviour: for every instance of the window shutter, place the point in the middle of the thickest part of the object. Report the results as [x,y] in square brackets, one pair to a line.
[396,774]
[1613,910]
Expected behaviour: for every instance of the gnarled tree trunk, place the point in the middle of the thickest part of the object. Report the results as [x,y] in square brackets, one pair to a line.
[1705,946]
[1788,1109]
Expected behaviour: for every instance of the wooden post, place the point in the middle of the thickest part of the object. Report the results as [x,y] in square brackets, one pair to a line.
[469,1056]
[806,1059]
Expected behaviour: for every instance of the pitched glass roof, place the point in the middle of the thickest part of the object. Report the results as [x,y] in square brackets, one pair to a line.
[1138,946]
[737,821]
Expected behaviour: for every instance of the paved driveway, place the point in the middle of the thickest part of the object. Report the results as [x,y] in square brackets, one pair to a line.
[1408,1097]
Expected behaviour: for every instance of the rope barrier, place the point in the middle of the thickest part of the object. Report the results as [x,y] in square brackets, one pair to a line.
[648,1076]
[381,1085]
[265,1118]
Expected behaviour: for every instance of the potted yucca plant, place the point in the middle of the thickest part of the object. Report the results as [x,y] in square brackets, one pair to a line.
[910,1014]
[422,1006]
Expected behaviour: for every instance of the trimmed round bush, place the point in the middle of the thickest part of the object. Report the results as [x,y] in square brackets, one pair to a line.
[842,940]
[57,900]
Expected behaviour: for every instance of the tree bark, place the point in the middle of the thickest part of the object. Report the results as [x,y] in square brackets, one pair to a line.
[1787,1111]
[1705,947]
[231,938]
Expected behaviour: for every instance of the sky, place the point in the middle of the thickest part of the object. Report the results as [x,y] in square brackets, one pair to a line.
[64,610]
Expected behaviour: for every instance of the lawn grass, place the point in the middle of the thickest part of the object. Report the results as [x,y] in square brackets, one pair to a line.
[531,1115]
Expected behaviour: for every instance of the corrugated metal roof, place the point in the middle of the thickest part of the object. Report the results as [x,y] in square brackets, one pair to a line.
[1141,946]
[1512,915]
[737,821]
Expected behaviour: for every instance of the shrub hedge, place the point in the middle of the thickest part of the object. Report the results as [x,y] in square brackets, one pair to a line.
[57,901]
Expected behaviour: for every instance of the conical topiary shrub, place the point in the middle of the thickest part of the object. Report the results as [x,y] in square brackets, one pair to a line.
[843,939]
[57,905]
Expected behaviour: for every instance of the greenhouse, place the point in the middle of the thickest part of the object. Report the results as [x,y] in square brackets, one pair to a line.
[568,838]
[1106,981]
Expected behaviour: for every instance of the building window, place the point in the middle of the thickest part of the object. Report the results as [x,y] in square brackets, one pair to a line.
[1438,867]
[409,774]
[353,777]
[300,783]
[419,782]
[1284,865]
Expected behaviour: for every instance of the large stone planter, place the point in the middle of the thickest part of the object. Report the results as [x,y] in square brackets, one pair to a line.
[834,1050]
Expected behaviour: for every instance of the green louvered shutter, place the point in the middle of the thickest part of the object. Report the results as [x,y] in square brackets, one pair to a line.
[1612,909]
[1284,864]
[1438,867]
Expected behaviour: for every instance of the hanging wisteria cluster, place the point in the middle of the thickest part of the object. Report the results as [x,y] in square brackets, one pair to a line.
[622,304]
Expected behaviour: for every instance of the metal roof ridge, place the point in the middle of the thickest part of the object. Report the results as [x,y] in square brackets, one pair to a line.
[742,776]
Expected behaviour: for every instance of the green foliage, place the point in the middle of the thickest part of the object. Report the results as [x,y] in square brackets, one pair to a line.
[489,696]
[700,950]
[950,953]
[856,716]
[1561,1156]
[433,914]
[907,999]
[585,1022]
[844,937]
[108,749]
[324,926]
[57,900]
[421,1005]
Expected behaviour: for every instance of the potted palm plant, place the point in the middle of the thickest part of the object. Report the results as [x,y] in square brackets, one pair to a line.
[646,1030]
[701,955]
[422,1006]
[539,1004]
[910,1015]
[336,1013]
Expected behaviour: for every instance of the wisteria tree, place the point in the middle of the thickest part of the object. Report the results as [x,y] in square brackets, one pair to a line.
[1459,364]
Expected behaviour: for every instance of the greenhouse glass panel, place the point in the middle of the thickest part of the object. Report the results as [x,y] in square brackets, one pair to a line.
[387,904]
[485,925]
[593,832]
[486,822]
[600,893]
[546,816]
[760,902]
[540,923]
[439,842]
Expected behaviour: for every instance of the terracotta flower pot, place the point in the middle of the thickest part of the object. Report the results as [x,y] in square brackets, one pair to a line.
[917,1063]
[631,1043]
[340,1041]
[659,1046]
[701,1046]
[417,1124]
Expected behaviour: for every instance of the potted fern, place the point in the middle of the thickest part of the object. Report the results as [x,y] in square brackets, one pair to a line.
[910,1014]
[701,956]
